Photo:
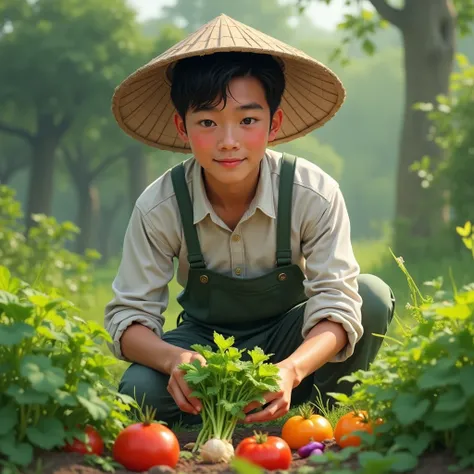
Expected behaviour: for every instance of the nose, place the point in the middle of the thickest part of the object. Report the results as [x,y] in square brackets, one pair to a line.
[229,139]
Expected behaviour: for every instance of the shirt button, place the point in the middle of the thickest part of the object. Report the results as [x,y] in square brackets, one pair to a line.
[236,237]
[238,271]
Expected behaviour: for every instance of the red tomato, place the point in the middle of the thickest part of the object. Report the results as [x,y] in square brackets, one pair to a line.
[269,452]
[347,424]
[94,444]
[141,446]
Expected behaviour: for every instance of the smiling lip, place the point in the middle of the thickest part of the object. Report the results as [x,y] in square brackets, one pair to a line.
[230,162]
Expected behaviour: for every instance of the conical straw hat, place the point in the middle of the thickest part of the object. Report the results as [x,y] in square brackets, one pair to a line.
[142,104]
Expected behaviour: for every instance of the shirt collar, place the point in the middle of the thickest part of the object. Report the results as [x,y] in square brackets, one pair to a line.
[263,199]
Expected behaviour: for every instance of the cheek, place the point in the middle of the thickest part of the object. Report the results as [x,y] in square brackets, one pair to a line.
[257,137]
[202,141]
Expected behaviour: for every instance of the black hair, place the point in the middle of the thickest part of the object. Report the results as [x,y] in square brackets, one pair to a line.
[203,81]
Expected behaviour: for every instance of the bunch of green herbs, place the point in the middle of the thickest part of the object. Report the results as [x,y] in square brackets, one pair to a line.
[226,384]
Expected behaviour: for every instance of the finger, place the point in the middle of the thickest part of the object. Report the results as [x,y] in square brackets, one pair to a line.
[186,391]
[179,398]
[271,412]
[251,406]
[198,357]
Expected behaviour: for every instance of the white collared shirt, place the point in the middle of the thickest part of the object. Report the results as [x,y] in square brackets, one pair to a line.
[320,240]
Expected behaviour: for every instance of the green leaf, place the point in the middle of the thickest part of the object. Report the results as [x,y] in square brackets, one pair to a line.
[403,462]
[15,333]
[65,399]
[197,394]
[382,394]
[26,396]
[466,376]
[409,408]
[374,462]
[205,351]
[268,370]
[458,311]
[466,230]
[18,453]
[5,277]
[47,434]
[9,417]
[258,356]
[89,399]
[212,390]
[197,377]
[439,421]
[42,375]
[52,335]
[222,343]
[7,298]
[415,444]
[242,466]
[368,46]
[439,375]
[452,400]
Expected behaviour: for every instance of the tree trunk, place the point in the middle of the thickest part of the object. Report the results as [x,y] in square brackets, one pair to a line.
[107,217]
[87,214]
[40,188]
[428,30]
[137,173]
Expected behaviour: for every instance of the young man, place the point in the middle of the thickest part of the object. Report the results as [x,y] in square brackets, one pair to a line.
[262,240]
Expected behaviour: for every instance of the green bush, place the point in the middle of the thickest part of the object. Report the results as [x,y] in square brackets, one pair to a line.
[53,376]
[423,386]
[41,256]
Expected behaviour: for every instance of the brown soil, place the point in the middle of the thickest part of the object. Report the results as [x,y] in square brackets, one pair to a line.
[66,463]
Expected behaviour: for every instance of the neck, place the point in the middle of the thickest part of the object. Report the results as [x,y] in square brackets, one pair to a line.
[231,196]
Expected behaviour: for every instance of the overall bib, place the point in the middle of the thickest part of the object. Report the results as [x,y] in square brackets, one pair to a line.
[265,311]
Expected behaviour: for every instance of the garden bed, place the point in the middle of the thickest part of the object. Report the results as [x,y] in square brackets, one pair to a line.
[67,463]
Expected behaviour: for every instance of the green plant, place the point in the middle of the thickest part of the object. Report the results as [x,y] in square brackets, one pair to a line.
[40,257]
[227,384]
[423,387]
[53,376]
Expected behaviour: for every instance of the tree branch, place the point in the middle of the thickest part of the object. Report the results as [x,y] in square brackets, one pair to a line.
[103,165]
[17,131]
[71,163]
[388,13]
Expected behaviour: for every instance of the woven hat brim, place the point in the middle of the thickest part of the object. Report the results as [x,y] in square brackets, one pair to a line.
[143,108]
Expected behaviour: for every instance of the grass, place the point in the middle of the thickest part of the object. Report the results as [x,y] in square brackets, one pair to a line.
[373,256]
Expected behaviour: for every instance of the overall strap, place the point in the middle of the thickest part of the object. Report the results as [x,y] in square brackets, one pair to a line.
[285,199]
[185,205]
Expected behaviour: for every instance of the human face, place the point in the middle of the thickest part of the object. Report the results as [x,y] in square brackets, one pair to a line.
[229,143]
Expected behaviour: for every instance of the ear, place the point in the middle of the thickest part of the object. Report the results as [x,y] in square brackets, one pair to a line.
[277,121]
[180,127]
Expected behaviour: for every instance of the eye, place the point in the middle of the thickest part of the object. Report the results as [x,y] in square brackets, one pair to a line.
[207,123]
[248,120]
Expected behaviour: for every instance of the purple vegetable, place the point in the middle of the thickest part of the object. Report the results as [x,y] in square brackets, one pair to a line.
[316,452]
[306,450]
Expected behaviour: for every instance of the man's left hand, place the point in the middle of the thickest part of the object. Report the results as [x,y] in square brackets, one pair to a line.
[278,402]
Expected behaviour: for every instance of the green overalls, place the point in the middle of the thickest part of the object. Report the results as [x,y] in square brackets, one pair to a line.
[266,311]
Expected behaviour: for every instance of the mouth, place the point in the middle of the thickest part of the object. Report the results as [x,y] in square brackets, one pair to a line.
[230,162]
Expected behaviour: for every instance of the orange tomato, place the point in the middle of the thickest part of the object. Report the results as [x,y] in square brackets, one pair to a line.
[300,429]
[350,422]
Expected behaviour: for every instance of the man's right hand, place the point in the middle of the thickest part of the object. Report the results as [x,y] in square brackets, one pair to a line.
[178,387]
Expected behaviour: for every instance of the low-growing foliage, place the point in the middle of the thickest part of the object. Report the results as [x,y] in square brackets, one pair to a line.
[423,387]
[40,256]
[53,376]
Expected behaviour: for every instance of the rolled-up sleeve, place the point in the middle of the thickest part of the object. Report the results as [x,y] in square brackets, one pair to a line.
[141,285]
[332,271]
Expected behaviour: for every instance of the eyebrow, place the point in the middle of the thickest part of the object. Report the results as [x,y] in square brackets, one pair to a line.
[249,106]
